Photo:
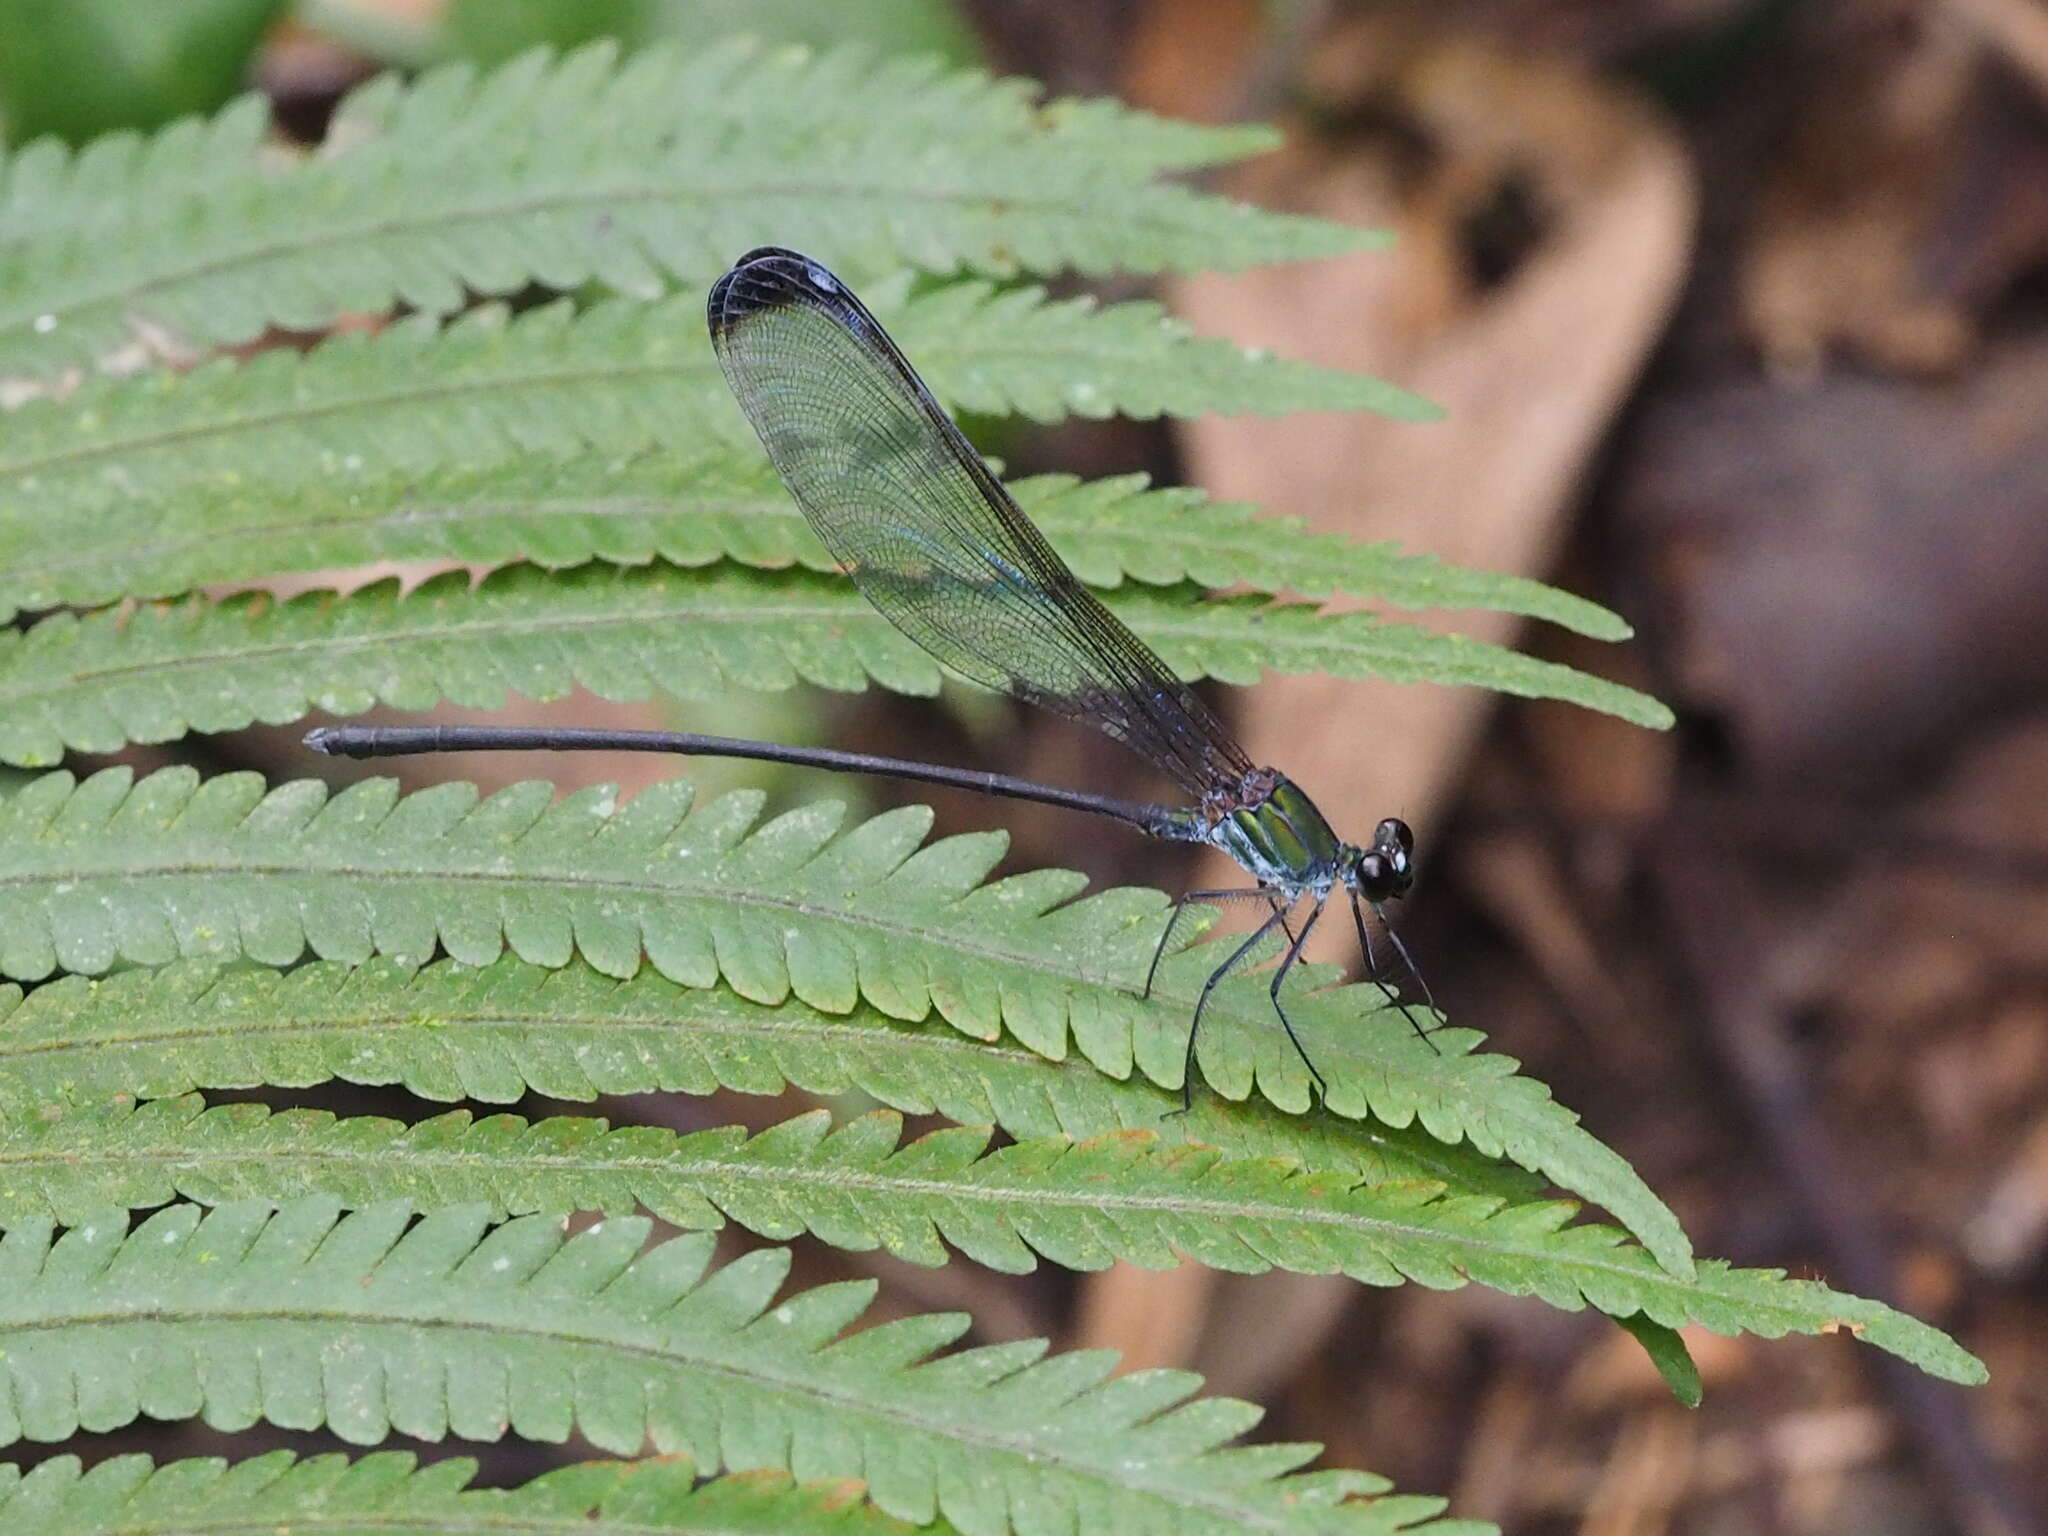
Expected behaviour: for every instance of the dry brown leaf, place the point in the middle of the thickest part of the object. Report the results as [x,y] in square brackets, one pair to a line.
[1855,567]
[1834,254]
[1531,368]
[1150,1317]
[1496,1454]
[1646,1476]
[2010,1228]
[2017,28]
[1516,878]
[1262,1329]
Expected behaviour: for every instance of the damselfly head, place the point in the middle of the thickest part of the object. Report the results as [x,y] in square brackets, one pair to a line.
[1383,871]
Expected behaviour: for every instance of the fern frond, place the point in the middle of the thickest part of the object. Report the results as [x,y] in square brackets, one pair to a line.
[692,509]
[113,870]
[1669,1356]
[1119,1198]
[565,172]
[365,1328]
[617,378]
[100,682]
[450,1032]
[387,1492]
[1117,528]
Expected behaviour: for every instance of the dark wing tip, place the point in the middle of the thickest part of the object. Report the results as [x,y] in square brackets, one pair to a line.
[770,253]
[767,277]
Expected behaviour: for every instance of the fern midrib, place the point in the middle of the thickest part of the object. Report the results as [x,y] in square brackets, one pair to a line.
[33,685]
[1646,1278]
[501,1018]
[71,458]
[1477,1108]
[1082,361]
[295,1520]
[950,1428]
[812,1175]
[12,325]
[466,630]
[581,882]
[941,1049]
[71,556]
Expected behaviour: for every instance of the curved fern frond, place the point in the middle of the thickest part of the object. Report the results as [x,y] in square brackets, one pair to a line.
[365,1327]
[100,682]
[1124,1197]
[1118,528]
[617,378]
[452,1032]
[389,1491]
[723,502]
[494,1034]
[113,870]
[584,170]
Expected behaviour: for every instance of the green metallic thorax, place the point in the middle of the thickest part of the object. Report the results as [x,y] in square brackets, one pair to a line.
[1282,840]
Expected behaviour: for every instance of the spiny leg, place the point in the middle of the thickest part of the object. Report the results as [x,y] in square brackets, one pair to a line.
[1287,964]
[1180,905]
[1372,964]
[1187,1081]
[1407,959]
[1372,967]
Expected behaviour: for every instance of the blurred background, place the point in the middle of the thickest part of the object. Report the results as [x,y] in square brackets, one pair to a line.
[1739,311]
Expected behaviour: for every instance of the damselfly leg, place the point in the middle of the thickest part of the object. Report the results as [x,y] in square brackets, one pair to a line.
[1295,945]
[1237,957]
[1180,906]
[1372,966]
[1280,975]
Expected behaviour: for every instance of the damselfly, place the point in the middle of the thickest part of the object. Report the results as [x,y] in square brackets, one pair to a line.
[934,541]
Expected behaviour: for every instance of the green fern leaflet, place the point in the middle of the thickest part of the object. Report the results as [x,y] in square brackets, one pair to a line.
[450,1032]
[113,871]
[690,508]
[388,1492]
[371,1324]
[636,176]
[1124,1197]
[99,683]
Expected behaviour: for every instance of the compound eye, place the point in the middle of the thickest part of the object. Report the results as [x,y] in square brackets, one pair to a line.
[1375,878]
[1394,830]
